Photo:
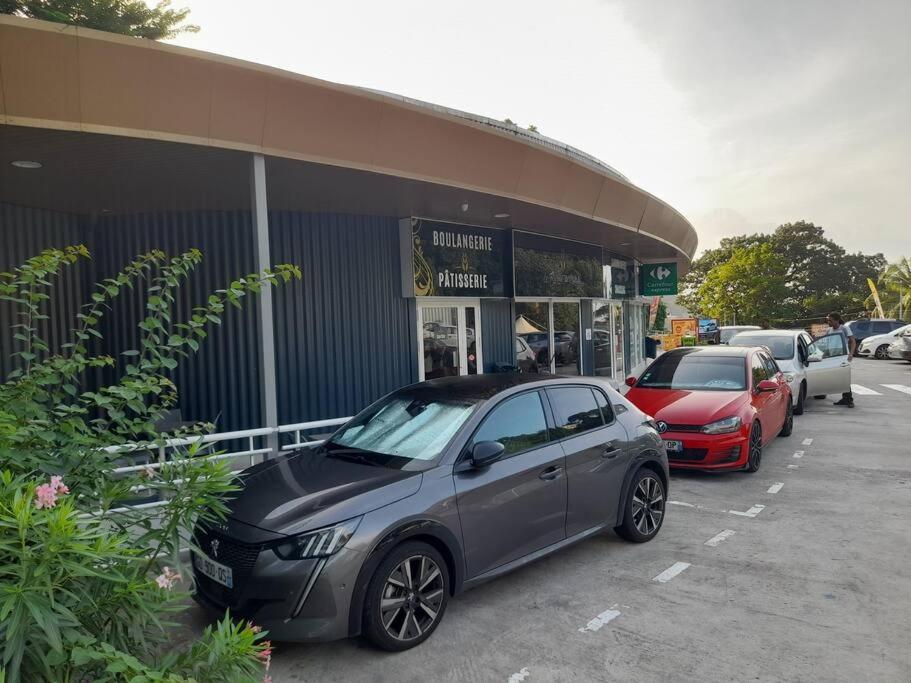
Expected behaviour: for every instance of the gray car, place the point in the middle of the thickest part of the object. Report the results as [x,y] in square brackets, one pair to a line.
[431,490]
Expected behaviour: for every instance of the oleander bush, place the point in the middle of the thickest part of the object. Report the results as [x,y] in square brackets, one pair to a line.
[89,587]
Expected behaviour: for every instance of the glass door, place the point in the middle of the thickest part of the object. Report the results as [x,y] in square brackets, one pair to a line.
[602,339]
[450,340]
[547,337]
[567,349]
[617,340]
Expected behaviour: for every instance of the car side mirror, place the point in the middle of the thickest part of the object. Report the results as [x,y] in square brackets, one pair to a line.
[630,381]
[485,453]
[767,385]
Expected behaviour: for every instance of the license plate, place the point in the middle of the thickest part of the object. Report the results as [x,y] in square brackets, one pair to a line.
[219,573]
[675,446]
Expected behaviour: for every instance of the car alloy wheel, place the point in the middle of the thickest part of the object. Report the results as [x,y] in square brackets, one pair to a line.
[411,598]
[882,352]
[648,505]
[755,457]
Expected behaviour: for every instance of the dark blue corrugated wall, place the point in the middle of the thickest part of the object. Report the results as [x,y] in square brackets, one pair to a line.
[344,334]
[497,332]
[220,383]
[26,232]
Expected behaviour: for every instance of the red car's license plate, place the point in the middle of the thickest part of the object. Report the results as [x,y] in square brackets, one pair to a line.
[671,445]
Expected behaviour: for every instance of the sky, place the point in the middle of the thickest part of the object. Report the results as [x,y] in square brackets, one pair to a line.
[741,114]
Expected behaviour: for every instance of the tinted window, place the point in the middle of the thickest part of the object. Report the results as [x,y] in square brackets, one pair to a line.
[770,365]
[759,370]
[882,327]
[575,410]
[860,327]
[695,371]
[518,423]
[606,412]
[781,347]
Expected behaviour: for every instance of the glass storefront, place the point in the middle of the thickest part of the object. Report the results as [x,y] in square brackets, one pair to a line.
[567,346]
[550,333]
[450,340]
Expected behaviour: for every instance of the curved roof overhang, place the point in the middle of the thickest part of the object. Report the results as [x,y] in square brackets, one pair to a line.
[364,150]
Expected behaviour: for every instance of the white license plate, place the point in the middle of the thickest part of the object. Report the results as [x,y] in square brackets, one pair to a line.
[675,446]
[215,571]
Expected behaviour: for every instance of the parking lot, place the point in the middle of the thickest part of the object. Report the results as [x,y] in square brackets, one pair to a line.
[800,571]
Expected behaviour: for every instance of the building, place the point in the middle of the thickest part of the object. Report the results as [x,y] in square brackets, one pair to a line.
[431,241]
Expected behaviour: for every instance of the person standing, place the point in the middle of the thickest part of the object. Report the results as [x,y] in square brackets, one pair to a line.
[838,326]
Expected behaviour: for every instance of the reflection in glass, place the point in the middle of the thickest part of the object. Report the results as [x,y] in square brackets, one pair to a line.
[618,340]
[567,356]
[518,423]
[471,341]
[601,339]
[441,341]
[533,336]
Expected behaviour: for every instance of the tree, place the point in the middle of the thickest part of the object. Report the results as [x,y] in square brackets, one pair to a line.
[751,287]
[660,315]
[127,17]
[896,289]
[532,128]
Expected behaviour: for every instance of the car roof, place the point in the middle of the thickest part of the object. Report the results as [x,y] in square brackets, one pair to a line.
[770,333]
[739,327]
[713,350]
[487,386]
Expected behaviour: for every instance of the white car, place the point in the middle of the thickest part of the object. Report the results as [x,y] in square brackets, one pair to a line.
[877,346]
[812,368]
[728,331]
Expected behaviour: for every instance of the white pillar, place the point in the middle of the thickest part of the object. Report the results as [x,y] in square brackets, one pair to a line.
[266,326]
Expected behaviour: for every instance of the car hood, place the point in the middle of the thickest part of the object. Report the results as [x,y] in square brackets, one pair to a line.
[878,339]
[306,490]
[688,407]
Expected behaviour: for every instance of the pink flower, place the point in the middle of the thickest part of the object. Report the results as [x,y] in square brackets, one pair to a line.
[167,579]
[59,487]
[45,496]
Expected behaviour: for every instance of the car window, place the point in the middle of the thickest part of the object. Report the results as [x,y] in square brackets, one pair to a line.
[604,406]
[760,372]
[830,346]
[518,423]
[882,327]
[771,365]
[782,347]
[575,410]
[694,371]
[860,327]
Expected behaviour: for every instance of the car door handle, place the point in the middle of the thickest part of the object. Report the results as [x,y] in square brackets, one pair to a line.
[551,473]
[610,451]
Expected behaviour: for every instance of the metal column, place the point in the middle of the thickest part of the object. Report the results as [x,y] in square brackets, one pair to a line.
[266,324]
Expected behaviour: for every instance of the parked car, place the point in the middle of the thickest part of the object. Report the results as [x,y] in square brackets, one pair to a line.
[901,347]
[867,327]
[565,346]
[791,350]
[728,331]
[525,357]
[540,344]
[431,490]
[715,407]
[877,346]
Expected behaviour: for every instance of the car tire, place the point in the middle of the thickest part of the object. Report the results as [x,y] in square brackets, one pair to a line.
[788,425]
[801,399]
[412,613]
[882,352]
[643,513]
[754,446]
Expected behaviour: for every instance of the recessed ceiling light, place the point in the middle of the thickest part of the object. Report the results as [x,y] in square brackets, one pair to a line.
[501,215]
[624,244]
[23,163]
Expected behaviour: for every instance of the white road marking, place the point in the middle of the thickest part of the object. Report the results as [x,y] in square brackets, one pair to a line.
[864,391]
[752,512]
[671,572]
[775,488]
[798,454]
[520,676]
[601,620]
[793,467]
[680,502]
[807,442]
[695,507]
[715,540]
[898,387]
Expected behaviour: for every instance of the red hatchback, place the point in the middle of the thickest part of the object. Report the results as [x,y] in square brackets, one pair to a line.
[716,407]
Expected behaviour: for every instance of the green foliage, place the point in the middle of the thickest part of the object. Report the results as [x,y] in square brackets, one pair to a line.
[128,17]
[820,275]
[660,315]
[78,593]
[894,289]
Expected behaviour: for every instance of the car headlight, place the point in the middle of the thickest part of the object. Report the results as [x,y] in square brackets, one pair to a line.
[725,426]
[789,376]
[319,543]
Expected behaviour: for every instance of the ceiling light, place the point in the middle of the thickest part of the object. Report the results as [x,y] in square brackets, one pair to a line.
[501,215]
[464,207]
[624,244]
[23,163]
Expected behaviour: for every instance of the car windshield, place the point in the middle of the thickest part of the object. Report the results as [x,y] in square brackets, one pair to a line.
[726,334]
[695,371]
[782,348]
[404,429]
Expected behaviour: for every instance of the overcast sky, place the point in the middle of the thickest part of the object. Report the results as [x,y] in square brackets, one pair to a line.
[742,114]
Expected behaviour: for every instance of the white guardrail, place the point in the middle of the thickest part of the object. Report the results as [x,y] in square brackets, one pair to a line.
[159,451]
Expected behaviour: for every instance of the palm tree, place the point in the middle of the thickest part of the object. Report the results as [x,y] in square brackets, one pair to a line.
[896,279]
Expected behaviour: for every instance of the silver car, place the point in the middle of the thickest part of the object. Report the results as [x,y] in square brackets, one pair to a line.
[431,490]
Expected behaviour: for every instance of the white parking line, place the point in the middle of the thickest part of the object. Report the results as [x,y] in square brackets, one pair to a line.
[601,620]
[898,387]
[671,572]
[715,540]
[752,512]
[864,391]
[798,454]
[807,442]
[793,467]
[775,488]
[520,676]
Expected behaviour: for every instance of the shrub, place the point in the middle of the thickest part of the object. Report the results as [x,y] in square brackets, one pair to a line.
[87,588]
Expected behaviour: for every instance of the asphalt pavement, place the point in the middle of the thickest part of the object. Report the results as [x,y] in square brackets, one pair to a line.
[801,571]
